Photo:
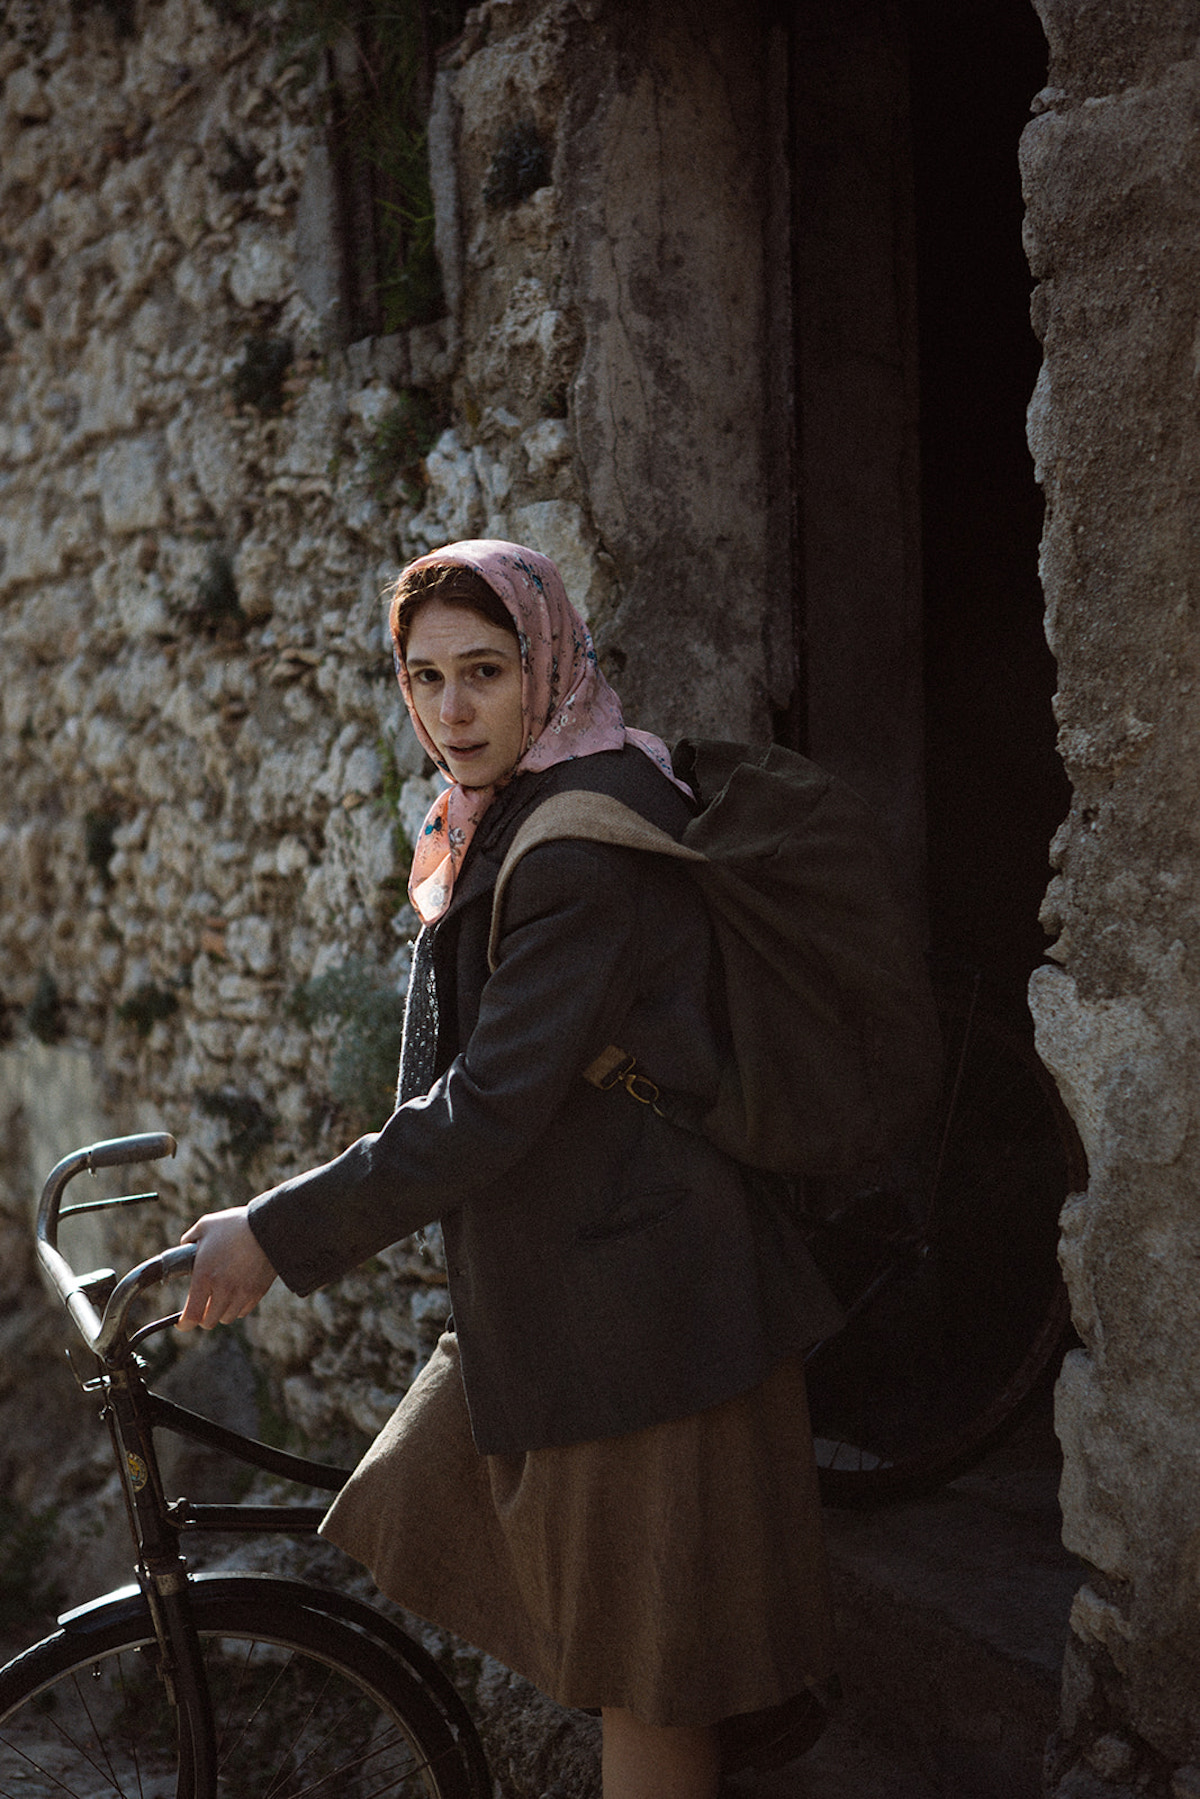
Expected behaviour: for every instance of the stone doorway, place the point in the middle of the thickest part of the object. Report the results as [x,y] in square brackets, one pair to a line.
[924,675]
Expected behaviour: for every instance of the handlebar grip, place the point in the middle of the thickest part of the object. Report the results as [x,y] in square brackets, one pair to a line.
[114,1151]
[111,1152]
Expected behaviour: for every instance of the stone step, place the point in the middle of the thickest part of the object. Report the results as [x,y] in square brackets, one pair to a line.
[952,1613]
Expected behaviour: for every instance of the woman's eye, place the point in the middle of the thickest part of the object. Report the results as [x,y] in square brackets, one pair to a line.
[426,677]
[488,670]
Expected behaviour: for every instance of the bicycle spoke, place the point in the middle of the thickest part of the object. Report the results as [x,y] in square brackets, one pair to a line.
[313,1731]
[82,1751]
[295,1728]
[243,1676]
[38,1768]
[127,1697]
[261,1704]
[355,1765]
[358,1764]
[314,1748]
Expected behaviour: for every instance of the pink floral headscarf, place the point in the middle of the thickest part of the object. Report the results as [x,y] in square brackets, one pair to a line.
[568,707]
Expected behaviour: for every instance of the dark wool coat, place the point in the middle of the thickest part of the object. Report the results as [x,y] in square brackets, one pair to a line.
[607,1269]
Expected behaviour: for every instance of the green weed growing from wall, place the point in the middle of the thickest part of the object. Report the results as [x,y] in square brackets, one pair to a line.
[43,1014]
[147,1006]
[250,1126]
[258,378]
[400,442]
[380,113]
[371,1013]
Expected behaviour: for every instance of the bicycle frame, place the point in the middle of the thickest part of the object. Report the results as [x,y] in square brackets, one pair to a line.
[132,1413]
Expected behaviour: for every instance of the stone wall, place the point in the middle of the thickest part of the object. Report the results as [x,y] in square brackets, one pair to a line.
[1111,167]
[200,721]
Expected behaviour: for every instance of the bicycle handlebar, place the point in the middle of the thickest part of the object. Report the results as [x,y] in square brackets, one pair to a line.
[102,1333]
[111,1152]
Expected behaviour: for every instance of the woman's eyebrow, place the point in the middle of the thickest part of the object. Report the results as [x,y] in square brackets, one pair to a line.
[495,651]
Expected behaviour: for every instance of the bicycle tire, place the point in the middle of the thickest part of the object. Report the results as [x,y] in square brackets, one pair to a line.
[972,1315]
[314,1694]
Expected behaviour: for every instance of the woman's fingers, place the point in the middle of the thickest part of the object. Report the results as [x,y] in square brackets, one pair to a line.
[231,1271]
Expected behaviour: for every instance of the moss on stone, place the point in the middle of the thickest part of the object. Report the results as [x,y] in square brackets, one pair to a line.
[99,830]
[146,1006]
[43,1015]
[258,379]
[251,1126]
[217,606]
[400,441]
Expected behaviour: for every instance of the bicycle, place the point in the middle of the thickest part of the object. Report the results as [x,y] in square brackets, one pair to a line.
[193,1685]
[218,1686]
[945,1262]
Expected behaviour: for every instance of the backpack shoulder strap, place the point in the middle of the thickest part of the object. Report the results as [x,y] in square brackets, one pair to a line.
[595,817]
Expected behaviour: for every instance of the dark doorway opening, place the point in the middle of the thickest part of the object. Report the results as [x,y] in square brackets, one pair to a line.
[925,679]
[995,789]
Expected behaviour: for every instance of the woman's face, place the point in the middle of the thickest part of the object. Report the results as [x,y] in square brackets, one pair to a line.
[465,676]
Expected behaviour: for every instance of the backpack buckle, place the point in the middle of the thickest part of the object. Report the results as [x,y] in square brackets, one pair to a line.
[642,1088]
[615,1067]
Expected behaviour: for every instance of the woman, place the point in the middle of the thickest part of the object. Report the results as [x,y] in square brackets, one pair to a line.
[604,1475]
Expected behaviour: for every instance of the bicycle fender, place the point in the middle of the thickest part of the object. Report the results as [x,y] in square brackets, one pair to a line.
[122,1602]
[332,1602]
[131,1602]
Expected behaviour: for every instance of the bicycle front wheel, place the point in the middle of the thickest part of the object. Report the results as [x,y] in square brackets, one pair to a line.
[312,1695]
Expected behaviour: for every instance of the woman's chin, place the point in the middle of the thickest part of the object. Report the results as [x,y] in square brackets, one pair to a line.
[471,774]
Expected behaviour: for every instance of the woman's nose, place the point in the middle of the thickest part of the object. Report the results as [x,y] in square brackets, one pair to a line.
[456,703]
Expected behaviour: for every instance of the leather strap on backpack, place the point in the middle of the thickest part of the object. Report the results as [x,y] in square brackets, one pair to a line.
[591,817]
[597,818]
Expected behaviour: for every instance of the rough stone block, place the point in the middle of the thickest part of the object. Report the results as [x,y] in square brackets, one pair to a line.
[214,451]
[36,538]
[454,503]
[185,194]
[557,528]
[133,495]
[263,267]
[199,277]
[25,97]
[309,441]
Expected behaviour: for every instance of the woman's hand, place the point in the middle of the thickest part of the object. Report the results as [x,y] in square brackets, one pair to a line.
[231,1272]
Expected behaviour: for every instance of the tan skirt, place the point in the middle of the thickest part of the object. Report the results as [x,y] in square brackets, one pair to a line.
[677,1571]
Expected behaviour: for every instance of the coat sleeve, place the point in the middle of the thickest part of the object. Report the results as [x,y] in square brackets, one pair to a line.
[565,979]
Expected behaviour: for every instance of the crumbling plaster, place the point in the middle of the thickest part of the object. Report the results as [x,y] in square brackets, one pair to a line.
[1111,164]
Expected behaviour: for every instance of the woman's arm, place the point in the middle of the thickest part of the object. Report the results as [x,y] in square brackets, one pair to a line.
[566,977]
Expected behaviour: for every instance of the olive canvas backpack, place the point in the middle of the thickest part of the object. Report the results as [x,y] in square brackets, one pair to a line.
[835,1050]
